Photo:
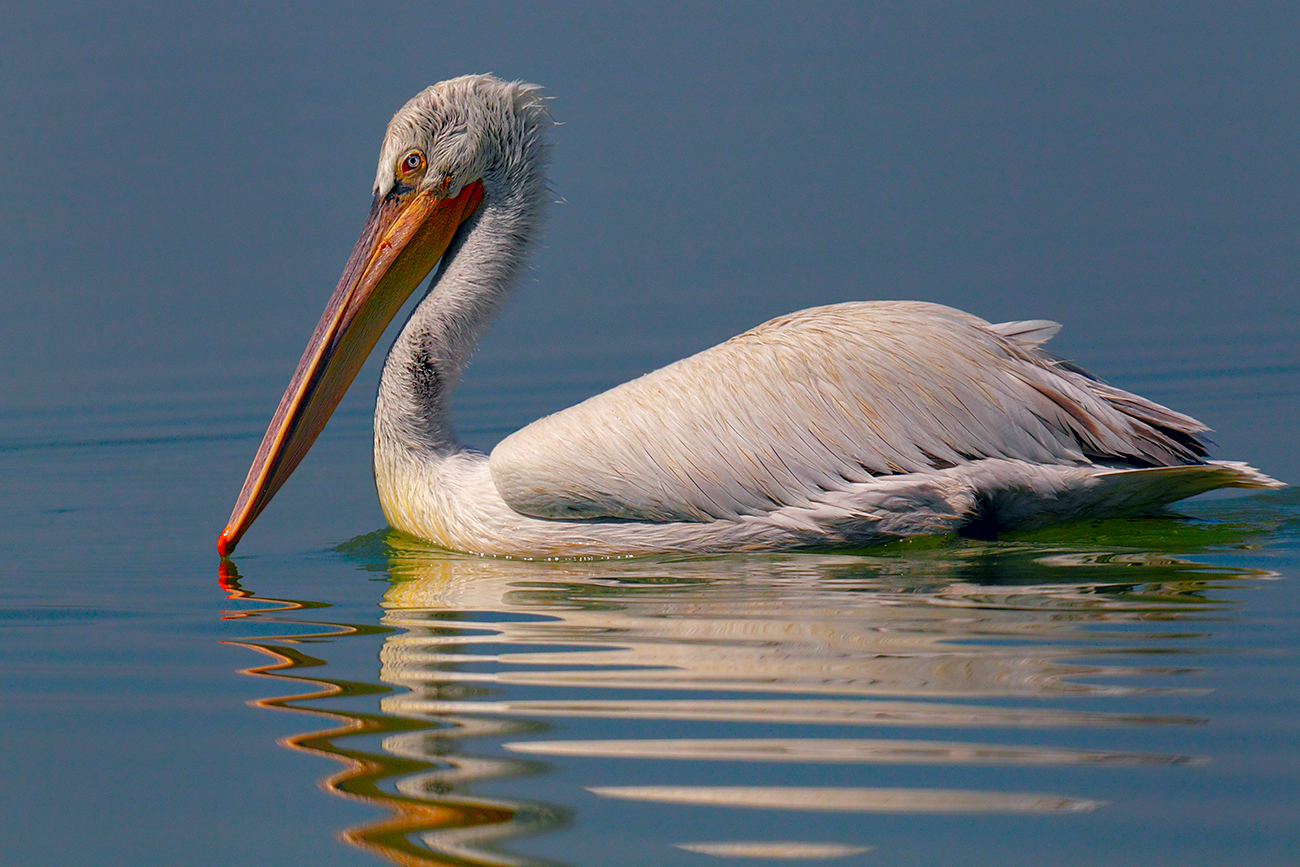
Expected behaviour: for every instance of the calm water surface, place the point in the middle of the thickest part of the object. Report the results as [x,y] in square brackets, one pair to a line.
[1118,693]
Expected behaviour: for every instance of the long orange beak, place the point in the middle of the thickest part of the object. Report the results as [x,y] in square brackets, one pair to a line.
[403,239]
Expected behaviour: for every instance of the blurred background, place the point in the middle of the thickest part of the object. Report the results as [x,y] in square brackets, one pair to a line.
[181,184]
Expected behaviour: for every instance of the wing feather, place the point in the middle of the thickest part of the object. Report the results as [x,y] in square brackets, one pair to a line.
[821,400]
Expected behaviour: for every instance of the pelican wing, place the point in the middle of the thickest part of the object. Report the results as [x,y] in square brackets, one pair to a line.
[823,399]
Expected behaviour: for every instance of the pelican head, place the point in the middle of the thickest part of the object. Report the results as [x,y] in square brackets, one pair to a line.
[450,148]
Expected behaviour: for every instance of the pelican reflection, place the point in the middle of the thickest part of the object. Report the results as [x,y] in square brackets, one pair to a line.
[1019,660]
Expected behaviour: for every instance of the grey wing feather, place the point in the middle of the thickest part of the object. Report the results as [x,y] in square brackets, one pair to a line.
[823,399]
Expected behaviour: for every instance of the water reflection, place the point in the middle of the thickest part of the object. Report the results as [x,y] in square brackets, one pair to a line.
[426,776]
[1008,650]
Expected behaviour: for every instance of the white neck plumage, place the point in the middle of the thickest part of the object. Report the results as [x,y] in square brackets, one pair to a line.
[469,287]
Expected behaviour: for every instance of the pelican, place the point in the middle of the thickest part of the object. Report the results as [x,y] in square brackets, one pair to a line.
[834,427]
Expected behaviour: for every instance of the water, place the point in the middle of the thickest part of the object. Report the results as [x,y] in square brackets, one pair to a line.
[181,187]
[1120,693]
[938,703]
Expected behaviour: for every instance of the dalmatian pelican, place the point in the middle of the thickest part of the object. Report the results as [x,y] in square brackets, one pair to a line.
[834,427]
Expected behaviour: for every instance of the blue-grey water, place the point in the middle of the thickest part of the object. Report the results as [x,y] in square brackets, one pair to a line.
[180,188]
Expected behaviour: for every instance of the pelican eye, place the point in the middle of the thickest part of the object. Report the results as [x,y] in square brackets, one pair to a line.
[411,167]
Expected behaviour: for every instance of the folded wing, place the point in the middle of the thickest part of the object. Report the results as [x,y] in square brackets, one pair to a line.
[822,400]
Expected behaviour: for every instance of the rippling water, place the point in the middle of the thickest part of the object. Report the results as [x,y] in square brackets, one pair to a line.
[1120,692]
[1062,698]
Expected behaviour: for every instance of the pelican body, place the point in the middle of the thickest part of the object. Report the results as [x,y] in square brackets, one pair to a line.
[833,427]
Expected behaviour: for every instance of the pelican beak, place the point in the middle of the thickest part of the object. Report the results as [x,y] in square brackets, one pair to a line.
[403,239]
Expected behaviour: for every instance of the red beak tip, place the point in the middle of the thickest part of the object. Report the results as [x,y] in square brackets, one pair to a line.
[224,547]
